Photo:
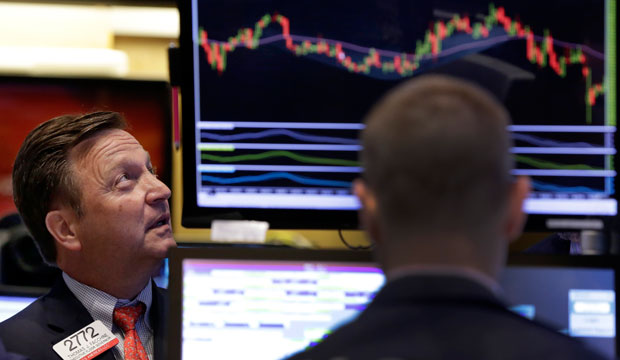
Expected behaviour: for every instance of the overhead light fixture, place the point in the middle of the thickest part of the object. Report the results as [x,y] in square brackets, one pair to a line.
[41,61]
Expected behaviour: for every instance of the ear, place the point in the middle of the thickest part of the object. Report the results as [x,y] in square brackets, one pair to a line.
[368,213]
[60,223]
[515,217]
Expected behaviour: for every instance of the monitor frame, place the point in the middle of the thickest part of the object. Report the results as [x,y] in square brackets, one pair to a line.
[194,216]
[253,252]
[576,261]
[177,255]
[23,291]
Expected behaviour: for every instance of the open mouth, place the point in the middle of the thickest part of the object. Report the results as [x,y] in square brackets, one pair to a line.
[164,220]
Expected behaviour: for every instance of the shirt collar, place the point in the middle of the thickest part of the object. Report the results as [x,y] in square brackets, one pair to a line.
[101,305]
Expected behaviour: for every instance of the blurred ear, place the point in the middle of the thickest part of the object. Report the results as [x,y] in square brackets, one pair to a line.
[515,218]
[368,213]
[60,223]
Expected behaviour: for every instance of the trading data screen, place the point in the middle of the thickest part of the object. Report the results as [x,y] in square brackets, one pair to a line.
[281,89]
[11,305]
[579,302]
[276,307]
[280,307]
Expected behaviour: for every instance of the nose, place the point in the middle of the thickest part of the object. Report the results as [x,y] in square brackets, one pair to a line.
[156,190]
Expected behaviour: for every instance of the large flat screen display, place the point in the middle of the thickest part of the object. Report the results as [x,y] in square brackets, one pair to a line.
[274,94]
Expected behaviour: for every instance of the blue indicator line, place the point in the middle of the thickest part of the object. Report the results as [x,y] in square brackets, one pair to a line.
[274,326]
[277,175]
[279,132]
[545,172]
[542,186]
[564,150]
[561,128]
[198,324]
[535,140]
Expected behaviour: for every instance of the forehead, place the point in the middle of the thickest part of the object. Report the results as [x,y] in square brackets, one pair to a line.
[107,145]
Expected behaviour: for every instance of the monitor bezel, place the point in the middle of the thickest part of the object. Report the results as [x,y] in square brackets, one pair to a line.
[577,261]
[194,216]
[238,252]
[257,252]
[23,291]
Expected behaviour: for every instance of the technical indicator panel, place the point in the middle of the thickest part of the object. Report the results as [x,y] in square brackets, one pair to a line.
[281,89]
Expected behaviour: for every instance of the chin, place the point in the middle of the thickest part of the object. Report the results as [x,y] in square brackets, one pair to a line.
[165,245]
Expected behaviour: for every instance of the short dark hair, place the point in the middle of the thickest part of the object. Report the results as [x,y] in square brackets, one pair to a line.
[42,173]
[436,154]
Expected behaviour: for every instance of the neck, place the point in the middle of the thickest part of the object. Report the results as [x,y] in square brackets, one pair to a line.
[453,263]
[127,290]
[446,270]
[120,286]
[440,251]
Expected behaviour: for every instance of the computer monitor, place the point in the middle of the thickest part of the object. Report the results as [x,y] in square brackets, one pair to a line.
[574,295]
[240,303]
[14,299]
[274,97]
[279,301]
[262,304]
[12,304]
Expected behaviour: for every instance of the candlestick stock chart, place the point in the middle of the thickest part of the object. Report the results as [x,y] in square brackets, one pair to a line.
[283,89]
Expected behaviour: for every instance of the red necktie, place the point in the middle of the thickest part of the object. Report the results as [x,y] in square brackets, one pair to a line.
[126,318]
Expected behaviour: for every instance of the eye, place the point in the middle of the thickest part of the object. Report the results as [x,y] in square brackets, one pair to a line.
[153,170]
[122,178]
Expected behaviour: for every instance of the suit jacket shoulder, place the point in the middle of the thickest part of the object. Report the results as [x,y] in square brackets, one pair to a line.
[158,318]
[51,318]
[58,314]
[436,317]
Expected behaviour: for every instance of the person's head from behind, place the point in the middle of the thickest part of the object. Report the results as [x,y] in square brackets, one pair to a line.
[87,192]
[437,187]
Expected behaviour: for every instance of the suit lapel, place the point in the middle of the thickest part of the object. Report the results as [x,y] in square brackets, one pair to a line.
[66,315]
[158,319]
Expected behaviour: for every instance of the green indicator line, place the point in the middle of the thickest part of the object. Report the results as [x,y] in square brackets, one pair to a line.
[216,147]
[610,63]
[280,153]
[541,164]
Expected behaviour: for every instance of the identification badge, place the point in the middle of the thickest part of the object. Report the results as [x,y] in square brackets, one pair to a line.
[87,343]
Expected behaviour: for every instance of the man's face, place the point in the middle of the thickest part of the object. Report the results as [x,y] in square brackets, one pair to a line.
[126,217]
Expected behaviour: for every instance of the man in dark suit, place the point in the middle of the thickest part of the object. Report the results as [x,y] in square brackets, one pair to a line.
[88,193]
[441,206]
